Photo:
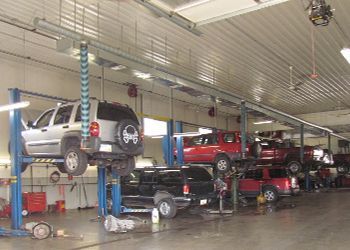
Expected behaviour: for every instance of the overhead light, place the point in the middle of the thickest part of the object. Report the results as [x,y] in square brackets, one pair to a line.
[5,161]
[17,105]
[205,131]
[262,122]
[191,5]
[142,75]
[346,54]
[118,67]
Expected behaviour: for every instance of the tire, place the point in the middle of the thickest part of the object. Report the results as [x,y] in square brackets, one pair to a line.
[342,169]
[167,208]
[270,194]
[124,167]
[294,167]
[61,168]
[222,164]
[127,135]
[75,161]
[256,150]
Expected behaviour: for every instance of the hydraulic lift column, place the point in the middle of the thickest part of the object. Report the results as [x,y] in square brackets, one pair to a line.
[16,161]
[116,193]
[102,191]
[179,143]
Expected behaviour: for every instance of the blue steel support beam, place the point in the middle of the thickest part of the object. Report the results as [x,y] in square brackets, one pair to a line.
[306,168]
[16,162]
[116,193]
[243,130]
[84,95]
[102,191]
[329,142]
[170,146]
[179,143]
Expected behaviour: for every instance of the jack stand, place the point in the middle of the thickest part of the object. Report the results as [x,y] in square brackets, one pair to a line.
[222,191]
[234,193]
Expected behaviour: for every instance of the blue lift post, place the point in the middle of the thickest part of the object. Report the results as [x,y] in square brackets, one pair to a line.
[102,191]
[179,143]
[16,161]
[116,194]
[167,144]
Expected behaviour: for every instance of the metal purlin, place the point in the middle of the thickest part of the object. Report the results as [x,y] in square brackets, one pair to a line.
[84,96]
[16,161]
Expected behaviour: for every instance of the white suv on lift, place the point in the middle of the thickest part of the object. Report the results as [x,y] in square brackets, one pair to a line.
[115,137]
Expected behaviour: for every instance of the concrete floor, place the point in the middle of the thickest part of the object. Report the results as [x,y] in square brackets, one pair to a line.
[311,221]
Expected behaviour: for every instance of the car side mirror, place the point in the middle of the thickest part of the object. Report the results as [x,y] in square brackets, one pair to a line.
[30,124]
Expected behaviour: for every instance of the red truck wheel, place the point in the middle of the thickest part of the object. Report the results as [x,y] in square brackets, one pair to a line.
[294,166]
[222,164]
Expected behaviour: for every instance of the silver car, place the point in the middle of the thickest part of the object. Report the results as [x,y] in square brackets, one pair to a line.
[114,140]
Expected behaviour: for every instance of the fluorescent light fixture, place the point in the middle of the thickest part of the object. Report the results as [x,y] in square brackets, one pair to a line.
[142,75]
[191,5]
[157,136]
[17,105]
[262,122]
[118,67]
[346,54]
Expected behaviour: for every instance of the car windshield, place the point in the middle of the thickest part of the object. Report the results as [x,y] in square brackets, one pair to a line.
[114,112]
[197,174]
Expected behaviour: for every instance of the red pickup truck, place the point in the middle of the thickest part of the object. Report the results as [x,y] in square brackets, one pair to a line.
[221,149]
[288,155]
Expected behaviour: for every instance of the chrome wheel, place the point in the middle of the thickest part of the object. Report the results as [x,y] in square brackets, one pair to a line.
[72,160]
[164,208]
[269,195]
[222,165]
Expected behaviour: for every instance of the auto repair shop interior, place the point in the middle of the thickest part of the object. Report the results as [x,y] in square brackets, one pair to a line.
[174,124]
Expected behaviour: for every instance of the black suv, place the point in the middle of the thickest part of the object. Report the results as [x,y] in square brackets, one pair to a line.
[166,188]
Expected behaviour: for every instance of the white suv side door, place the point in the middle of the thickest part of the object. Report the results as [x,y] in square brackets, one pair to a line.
[36,142]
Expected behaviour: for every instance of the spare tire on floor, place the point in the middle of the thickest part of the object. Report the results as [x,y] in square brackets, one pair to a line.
[127,135]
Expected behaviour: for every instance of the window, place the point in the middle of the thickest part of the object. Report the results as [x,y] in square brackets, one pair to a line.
[149,176]
[254,174]
[132,178]
[170,177]
[153,127]
[197,140]
[114,112]
[44,120]
[63,114]
[78,114]
[278,173]
[197,174]
[229,138]
[209,139]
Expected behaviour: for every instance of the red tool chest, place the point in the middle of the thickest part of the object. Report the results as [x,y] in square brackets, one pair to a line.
[34,202]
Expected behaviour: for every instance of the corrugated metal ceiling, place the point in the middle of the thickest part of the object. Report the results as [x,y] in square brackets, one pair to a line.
[249,55]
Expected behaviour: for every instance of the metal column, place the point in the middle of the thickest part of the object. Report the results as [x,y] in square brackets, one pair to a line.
[84,95]
[306,168]
[102,191]
[179,143]
[167,144]
[116,193]
[16,161]
[329,143]
[243,130]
